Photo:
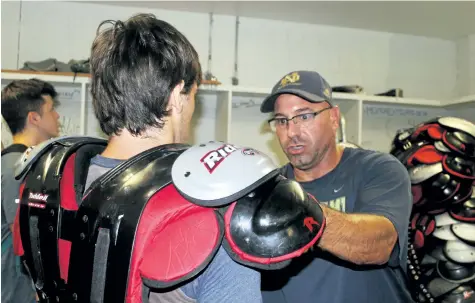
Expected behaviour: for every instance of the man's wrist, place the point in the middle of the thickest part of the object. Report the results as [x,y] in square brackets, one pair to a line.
[327,213]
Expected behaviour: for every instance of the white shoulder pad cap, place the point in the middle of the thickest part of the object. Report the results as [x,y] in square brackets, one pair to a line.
[457,123]
[217,173]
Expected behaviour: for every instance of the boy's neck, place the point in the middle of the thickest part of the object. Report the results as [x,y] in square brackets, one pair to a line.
[126,146]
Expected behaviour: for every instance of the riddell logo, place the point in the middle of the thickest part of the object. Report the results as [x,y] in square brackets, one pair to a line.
[309,222]
[215,157]
[38,197]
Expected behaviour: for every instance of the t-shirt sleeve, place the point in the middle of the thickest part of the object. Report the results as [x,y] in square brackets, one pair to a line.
[227,281]
[10,191]
[386,191]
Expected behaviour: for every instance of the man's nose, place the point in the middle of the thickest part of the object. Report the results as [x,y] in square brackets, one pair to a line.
[292,129]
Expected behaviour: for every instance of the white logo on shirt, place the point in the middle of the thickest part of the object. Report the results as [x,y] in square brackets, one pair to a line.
[337,190]
[336,204]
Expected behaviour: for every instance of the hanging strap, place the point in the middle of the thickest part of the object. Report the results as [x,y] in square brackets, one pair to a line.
[36,251]
[99,270]
[14,148]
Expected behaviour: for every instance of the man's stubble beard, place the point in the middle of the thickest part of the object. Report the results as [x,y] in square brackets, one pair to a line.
[298,161]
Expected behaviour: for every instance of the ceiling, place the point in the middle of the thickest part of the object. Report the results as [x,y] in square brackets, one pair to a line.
[447,20]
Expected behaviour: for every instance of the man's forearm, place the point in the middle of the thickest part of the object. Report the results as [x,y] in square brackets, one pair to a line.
[358,238]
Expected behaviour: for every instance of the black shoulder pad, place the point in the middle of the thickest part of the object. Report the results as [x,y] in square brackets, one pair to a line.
[107,220]
[32,154]
[42,220]
[275,223]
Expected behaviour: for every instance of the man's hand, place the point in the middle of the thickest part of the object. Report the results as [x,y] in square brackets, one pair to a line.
[358,238]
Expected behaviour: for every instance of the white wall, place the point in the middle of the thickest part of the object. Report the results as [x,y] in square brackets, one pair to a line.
[204,120]
[423,67]
[466,65]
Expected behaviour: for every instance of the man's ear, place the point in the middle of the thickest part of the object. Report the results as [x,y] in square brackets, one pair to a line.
[336,117]
[175,103]
[33,118]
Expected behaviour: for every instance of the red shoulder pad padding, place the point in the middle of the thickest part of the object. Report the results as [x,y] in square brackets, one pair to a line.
[423,226]
[68,202]
[270,226]
[427,154]
[432,129]
[175,240]
[17,245]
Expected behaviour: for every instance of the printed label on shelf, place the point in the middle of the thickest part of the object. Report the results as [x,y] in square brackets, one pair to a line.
[388,111]
[66,93]
[381,122]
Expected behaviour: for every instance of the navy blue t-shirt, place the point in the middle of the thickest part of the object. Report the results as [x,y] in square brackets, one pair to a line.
[363,182]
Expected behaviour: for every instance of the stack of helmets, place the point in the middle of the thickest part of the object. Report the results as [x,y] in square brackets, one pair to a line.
[440,158]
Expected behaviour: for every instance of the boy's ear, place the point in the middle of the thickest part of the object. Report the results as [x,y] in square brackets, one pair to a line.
[175,103]
[33,118]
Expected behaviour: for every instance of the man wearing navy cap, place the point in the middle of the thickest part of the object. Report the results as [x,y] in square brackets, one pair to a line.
[366,197]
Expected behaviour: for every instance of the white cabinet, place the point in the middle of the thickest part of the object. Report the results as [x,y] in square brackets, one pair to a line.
[231,114]
[381,120]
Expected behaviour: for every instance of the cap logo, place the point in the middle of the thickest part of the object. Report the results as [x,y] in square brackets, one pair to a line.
[326,92]
[290,79]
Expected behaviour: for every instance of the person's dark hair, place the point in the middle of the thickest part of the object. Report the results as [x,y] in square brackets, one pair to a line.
[21,97]
[135,65]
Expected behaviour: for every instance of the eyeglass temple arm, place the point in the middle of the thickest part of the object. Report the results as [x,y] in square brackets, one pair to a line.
[342,130]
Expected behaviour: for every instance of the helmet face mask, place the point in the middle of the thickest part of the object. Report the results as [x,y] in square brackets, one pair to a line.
[439,156]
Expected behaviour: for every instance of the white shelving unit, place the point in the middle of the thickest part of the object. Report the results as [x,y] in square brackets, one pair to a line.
[231,113]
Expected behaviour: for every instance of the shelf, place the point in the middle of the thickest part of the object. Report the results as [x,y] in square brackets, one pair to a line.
[345,96]
[339,97]
[249,91]
[402,101]
[56,77]
[240,91]
[464,100]
[231,113]
[66,77]
[212,88]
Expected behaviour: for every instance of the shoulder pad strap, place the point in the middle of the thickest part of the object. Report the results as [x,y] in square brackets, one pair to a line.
[217,173]
[33,153]
[14,148]
[135,164]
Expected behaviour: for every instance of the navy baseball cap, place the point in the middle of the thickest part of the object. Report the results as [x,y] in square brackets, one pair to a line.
[305,84]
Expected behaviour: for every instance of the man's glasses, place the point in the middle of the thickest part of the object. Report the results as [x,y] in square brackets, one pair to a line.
[281,123]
